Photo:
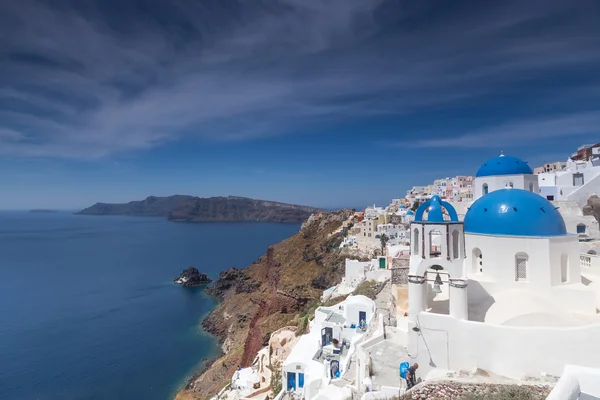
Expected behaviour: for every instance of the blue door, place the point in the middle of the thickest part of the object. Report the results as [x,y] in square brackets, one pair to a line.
[291,380]
[326,336]
[362,316]
[300,380]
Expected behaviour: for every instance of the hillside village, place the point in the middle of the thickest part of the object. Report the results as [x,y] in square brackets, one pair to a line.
[490,283]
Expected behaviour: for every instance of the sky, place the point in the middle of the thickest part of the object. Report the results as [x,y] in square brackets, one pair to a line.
[331,103]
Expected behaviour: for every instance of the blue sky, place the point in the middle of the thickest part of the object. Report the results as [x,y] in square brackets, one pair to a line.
[323,102]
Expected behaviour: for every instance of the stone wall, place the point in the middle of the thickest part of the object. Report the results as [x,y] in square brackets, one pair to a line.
[458,391]
[399,275]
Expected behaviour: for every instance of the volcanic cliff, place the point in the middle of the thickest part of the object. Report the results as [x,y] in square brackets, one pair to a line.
[268,295]
[211,209]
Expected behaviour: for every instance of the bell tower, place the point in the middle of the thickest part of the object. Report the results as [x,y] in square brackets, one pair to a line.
[437,259]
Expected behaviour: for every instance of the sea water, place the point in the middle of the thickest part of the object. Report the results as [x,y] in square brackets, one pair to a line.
[88,309]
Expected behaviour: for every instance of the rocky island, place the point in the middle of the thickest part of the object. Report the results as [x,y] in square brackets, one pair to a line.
[191,277]
[271,293]
[181,208]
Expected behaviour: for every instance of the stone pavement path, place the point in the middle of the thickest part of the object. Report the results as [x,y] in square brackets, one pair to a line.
[386,305]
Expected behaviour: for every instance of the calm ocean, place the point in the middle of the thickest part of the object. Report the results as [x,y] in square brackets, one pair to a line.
[88,309]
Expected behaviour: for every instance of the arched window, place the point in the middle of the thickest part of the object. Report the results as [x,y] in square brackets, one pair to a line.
[581,228]
[476,260]
[521,260]
[455,244]
[416,242]
[484,189]
[564,268]
[531,187]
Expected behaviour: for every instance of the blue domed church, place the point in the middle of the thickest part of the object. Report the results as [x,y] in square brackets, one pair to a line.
[503,289]
[502,172]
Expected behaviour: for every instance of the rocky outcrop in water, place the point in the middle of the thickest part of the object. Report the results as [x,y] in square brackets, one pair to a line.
[191,277]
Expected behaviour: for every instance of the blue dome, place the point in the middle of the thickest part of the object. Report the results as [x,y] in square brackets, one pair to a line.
[403,206]
[410,212]
[434,208]
[514,212]
[504,165]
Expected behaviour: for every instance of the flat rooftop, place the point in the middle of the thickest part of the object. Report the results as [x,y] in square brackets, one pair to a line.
[387,356]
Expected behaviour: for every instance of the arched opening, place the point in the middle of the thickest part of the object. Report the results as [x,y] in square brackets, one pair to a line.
[455,244]
[521,260]
[484,189]
[435,243]
[531,187]
[476,261]
[592,252]
[510,184]
[564,268]
[416,242]
[437,290]
[581,228]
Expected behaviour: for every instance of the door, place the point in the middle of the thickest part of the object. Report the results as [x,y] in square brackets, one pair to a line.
[300,380]
[335,367]
[362,316]
[382,262]
[291,381]
[326,336]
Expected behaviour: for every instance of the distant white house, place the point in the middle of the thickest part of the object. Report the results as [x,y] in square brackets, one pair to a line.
[577,182]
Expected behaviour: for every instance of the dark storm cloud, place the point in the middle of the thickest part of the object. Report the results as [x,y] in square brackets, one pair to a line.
[85,80]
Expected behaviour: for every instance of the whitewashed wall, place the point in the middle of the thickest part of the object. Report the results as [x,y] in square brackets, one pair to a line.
[513,352]
[577,383]
[525,182]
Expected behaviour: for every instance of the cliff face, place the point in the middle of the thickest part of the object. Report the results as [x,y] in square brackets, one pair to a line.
[268,295]
[214,209]
[239,209]
[150,207]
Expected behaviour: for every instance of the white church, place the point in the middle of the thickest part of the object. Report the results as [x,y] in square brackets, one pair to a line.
[503,290]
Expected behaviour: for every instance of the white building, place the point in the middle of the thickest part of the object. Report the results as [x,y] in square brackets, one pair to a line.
[373,212]
[576,182]
[324,353]
[504,293]
[502,172]
[395,233]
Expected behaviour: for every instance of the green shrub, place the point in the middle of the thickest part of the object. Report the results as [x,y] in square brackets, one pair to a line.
[302,324]
[276,378]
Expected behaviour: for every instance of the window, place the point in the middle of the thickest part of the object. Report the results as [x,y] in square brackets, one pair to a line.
[531,187]
[476,261]
[455,244]
[564,268]
[485,188]
[521,266]
[416,242]
[510,184]
[581,228]
[550,197]
[578,179]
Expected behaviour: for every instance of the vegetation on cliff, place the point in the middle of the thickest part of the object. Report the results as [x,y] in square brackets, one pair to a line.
[277,290]
[213,209]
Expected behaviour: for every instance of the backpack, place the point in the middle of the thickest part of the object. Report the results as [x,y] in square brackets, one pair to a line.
[404,369]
